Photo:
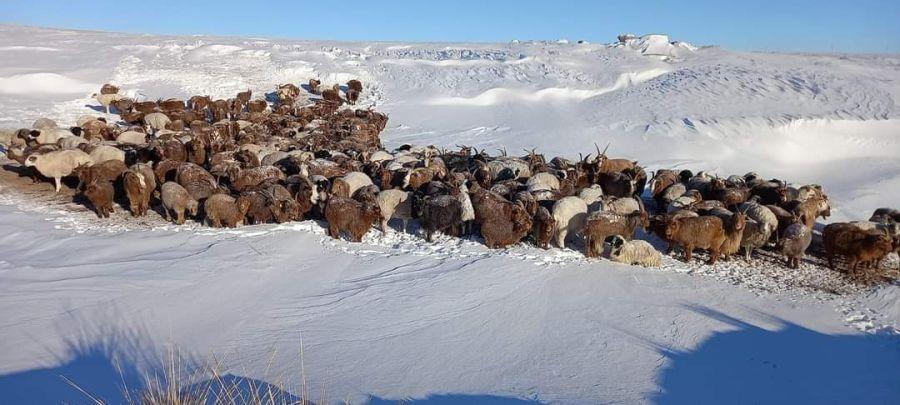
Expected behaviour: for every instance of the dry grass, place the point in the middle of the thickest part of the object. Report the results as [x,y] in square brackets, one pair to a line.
[170,386]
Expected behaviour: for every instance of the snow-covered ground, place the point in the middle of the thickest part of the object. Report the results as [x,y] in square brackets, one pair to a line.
[395,317]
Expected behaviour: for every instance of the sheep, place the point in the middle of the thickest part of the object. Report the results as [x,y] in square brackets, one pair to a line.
[100,193]
[176,201]
[196,180]
[662,180]
[254,176]
[132,138]
[157,121]
[354,217]
[592,196]
[51,136]
[57,165]
[570,214]
[108,99]
[761,214]
[504,168]
[857,245]
[287,93]
[70,142]
[671,193]
[349,183]
[794,242]
[137,189]
[542,181]
[439,213]
[601,225]
[394,204]
[623,206]
[109,170]
[755,236]
[634,252]
[696,232]
[544,227]
[223,210]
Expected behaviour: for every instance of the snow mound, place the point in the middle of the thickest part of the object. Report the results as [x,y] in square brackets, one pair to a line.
[548,95]
[654,45]
[44,83]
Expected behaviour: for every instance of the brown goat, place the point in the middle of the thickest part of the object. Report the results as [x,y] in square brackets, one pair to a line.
[544,227]
[697,232]
[109,170]
[199,103]
[506,227]
[138,190]
[223,210]
[172,104]
[314,86]
[857,245]
[333,95]
[602,225]
[100,193]
[354,217]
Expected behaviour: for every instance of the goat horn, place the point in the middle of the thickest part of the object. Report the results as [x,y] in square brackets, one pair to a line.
[605,149]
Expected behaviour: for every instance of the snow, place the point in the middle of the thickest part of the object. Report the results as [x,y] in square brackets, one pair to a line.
[395,317]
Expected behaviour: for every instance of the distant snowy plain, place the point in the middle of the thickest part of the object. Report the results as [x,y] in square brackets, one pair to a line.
[395,317]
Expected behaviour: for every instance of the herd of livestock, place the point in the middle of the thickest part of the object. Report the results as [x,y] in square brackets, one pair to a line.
[299,154]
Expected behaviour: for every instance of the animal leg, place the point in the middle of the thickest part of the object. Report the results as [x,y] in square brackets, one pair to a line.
[58,185]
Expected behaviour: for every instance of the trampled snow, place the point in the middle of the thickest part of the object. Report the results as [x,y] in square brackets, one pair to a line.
[395,317]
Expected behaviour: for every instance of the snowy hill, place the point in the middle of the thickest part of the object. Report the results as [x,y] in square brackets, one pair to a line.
[395,317]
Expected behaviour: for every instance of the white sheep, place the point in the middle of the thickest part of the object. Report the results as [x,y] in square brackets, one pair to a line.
[6,137]
[102,153]
[672,193]
[84,119]
[50,136]
[70,142]
[380,156]
[157,121]
[273,157]
[394,204]
[107,99]
[542,181]
[570,214]
[132,138]
[634,252]
[356,181]
[622,206]
[44,123]
[58,164]
[519,168]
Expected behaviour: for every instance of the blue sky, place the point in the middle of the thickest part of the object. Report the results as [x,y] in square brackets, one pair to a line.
[768,25]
